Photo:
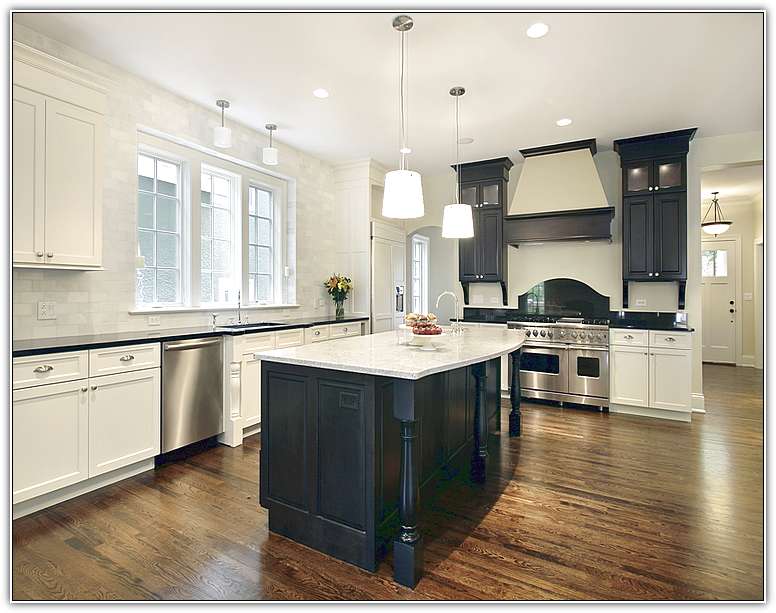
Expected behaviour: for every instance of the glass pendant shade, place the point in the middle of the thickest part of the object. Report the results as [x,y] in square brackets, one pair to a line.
[457,221]
[269,156]
[403,195]
[716,227]
[222,137]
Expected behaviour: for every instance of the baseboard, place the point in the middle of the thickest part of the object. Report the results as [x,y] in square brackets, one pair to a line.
[254,429]
[683,416]
[747,361]
[20,509]
[698,403]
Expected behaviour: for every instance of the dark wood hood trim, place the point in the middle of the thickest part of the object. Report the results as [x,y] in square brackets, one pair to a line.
[577,224]
[588,143]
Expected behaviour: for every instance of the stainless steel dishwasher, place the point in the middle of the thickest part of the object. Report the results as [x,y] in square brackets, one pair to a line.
[192,391]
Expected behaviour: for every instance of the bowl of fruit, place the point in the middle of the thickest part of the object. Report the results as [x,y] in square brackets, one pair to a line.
[425,330]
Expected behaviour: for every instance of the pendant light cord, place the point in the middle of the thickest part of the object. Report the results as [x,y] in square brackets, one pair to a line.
[457,156]
[401,102]
[222,116]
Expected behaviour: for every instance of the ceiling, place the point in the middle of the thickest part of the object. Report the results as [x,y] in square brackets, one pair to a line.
[734,182]
[615,74]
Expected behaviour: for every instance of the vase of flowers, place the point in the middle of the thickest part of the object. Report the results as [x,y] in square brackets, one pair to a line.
[339,287]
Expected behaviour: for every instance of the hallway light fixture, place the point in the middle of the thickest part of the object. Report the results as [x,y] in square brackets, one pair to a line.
[403,191]
[457,218]
[222,136]
[269,155]
[718,225]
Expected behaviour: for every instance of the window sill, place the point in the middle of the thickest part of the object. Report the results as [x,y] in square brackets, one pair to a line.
[211,309]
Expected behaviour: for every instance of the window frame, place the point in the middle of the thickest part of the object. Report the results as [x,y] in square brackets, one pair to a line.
[424,243]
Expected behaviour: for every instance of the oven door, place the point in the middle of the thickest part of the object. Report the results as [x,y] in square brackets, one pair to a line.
[544,368]
[589,371]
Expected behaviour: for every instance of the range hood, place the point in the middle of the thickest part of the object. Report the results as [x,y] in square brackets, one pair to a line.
[559,197]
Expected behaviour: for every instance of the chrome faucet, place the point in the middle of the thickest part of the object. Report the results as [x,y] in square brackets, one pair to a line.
[457,325]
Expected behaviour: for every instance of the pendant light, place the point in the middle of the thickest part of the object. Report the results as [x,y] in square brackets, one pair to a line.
[269,155]
[403,192]
[718,225]
[222,136]
[457,219]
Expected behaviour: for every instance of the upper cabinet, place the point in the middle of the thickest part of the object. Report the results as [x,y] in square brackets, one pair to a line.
[654,215]
[483,258]
[57,145]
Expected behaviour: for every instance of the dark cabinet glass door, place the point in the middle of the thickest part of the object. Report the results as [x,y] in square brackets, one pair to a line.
[469,194]
[669,174]
[637,228]
[637,177]
[670,231]
[490,194]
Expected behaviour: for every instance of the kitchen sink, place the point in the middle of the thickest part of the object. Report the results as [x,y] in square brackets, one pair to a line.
[257,324]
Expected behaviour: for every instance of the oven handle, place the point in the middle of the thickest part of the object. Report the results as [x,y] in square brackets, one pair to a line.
[587,348]
[547,346]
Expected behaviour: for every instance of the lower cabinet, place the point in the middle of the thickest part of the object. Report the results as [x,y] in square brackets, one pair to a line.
[670,382]
[50,438]
[629,378]
[124,419]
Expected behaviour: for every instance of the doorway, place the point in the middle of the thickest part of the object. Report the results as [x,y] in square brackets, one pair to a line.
[719,284]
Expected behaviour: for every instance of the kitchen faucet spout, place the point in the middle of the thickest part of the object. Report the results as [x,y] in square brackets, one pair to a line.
[457,324]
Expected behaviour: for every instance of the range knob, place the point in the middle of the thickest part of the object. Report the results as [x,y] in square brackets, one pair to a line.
[536,333]
[562,333]
[543,333]
[582,335]
[549,333]
[574,334]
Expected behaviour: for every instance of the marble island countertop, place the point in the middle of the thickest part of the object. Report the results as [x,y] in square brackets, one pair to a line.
[381,354]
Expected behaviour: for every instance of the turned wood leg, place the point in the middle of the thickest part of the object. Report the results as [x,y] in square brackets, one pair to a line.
[514,396]
[480,452]
[408,547]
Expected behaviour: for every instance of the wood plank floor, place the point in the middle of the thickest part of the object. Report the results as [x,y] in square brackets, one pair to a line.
[583,506]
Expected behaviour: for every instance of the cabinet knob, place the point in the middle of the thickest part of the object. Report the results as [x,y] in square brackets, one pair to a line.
[127,358]
[657,274]
[344,329]
[650,274]
[670,339]
[39,254]
[657,187]
[83,389]
[650,188]
[43,368]
[49,255]
[94,388]
[317,333]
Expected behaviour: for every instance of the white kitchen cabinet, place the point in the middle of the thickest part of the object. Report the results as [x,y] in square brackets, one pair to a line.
[57,135]
[250,375]
[124,419]
[29,371]
[670,385]
[629,380]
[50,438]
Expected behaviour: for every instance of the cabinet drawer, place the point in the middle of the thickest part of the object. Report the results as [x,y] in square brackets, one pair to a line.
[342,330]
[316,334]
[52,368]
[670,340]
[126,358]
[634,338]
[290,338]
[258,342]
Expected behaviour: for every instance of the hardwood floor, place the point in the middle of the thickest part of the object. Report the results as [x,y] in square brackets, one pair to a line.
[583,506]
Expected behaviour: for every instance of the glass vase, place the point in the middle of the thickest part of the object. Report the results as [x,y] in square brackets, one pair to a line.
[339,309]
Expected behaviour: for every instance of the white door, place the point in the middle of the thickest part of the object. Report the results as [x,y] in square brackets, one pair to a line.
[718,269]
[629,375]
[50,438]
[73,185]
[28,145]
[670,374]
[388,273]
[124,419]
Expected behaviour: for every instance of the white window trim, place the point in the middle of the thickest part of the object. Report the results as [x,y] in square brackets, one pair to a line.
[192,156]
[424,280]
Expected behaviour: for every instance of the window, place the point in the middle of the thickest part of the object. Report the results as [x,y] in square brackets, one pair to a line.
[419,274]
[714,263]
[217,231]
[158,231]
[260,255]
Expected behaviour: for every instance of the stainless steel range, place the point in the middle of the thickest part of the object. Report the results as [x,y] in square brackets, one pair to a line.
[565,359]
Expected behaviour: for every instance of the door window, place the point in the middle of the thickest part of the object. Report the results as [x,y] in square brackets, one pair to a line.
[714,263]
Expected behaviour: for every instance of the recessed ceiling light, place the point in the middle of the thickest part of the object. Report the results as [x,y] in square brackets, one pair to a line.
[405,150]
[465,140]
[537,30]
[321,93]
[565,121]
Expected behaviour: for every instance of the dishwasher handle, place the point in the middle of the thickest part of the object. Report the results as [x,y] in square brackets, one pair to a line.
[190,345]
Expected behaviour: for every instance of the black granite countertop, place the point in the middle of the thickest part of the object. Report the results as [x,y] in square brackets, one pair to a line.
[650,326]
[26,347]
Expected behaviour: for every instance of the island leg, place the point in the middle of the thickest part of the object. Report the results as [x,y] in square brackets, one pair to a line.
[514,396]
[480,452]
[408,546]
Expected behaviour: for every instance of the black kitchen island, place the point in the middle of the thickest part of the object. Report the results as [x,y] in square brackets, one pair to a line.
[354,430]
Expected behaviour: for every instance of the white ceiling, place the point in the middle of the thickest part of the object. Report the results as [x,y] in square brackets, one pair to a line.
[734,182]
[615,75]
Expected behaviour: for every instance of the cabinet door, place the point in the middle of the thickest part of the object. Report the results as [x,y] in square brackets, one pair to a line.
[50,438]
[629,376]
[467,251]
[637,177]
[28,137]
[124,419]
[491,194]
[669,174]
[489,244]
[250,390]
[670,231]
[73,234]
[670,379]
[637,227]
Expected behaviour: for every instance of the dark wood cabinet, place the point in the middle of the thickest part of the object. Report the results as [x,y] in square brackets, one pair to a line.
[483,258]
[654,216]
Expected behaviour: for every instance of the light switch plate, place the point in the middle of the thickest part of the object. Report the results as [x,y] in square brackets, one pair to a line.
[641,302]
[47,310]
[154,320]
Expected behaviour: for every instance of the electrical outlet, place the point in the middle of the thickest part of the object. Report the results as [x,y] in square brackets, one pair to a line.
[154,320]
[47,310]
[641,302]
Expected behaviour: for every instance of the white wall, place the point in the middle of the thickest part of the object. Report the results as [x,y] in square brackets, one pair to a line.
[89,302]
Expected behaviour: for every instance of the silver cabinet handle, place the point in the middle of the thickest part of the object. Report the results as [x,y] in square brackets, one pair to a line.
[83,389]
[190,345]
[628,337]
[43,368]
[344,329]
[49,255]
[317,333]
[39,254]
[127,358]
[650,188]
[670,339]
[94,388]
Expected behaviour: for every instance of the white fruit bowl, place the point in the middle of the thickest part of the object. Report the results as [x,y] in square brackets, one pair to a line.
[427,342]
